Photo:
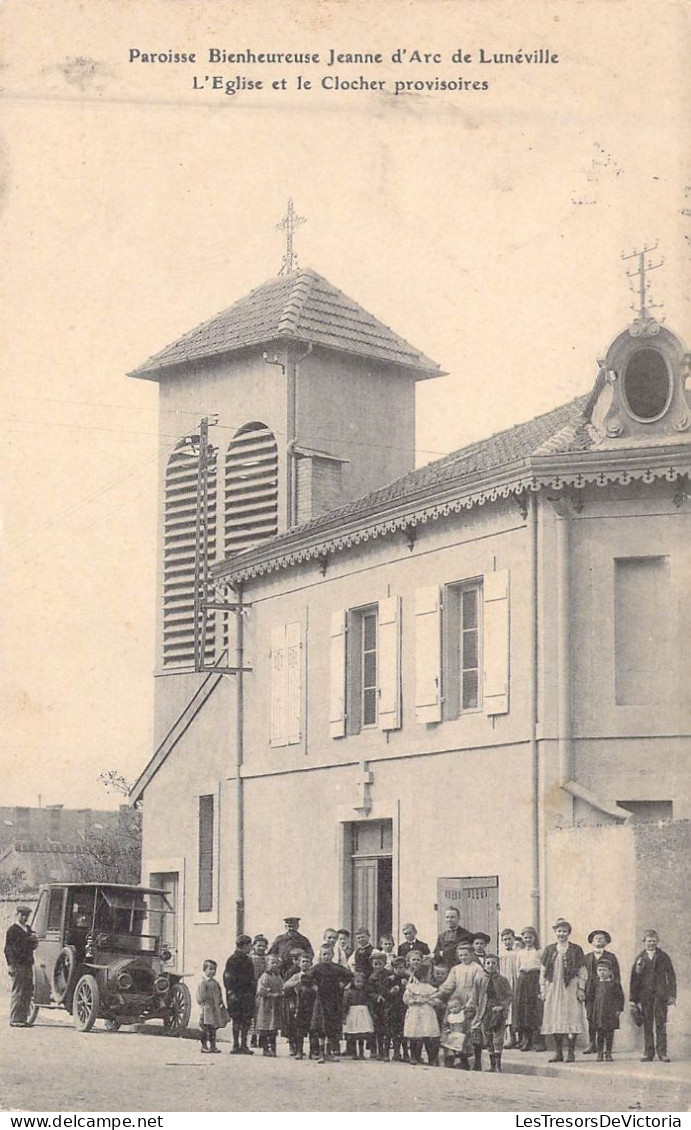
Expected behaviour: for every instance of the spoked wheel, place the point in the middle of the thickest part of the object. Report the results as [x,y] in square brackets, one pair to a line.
[86,1003]
[64,974]
[112,1025]
[179,1009]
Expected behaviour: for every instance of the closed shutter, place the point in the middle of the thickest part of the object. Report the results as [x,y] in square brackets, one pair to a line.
[428,654]
[337,698]
[278,686]
[390,663]
[293,682]
[495,643]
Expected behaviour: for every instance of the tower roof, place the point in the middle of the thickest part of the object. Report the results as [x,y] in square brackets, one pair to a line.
[300,307]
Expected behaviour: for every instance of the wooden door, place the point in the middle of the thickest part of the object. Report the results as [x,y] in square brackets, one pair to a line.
[365,895]
[477,901]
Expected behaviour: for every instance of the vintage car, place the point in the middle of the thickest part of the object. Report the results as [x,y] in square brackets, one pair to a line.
[99,955]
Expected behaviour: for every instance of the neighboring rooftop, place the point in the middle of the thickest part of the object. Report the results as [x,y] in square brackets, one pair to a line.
[301,307]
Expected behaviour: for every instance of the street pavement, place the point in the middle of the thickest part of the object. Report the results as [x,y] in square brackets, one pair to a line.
[53,1067]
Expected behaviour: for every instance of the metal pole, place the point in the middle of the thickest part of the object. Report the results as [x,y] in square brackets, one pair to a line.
[239,786]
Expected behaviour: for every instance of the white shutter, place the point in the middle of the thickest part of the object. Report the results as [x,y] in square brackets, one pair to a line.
[428,654]
[278,686]
[390,663]
[495,642]
[294,682]
[337,699]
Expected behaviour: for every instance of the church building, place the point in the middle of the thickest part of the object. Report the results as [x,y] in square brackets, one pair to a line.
[381,691]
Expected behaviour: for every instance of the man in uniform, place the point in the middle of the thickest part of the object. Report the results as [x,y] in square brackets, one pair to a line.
[445,949]
[284,944]
[20,943]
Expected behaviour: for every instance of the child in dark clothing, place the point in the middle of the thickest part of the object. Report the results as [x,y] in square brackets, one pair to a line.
[608,1003]
[378,985]
[299,1003]
[358,1025]
[396,1009]
[325,1025]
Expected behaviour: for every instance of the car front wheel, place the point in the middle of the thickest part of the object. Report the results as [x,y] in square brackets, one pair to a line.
[86,1003]
[179,1010]
[33,1013]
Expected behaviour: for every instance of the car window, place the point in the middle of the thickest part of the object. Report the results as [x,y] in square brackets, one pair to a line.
[55,909]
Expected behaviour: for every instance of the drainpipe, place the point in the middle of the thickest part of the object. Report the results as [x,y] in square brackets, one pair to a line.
[292,370]
[239,750]
[533,696]
[567,780]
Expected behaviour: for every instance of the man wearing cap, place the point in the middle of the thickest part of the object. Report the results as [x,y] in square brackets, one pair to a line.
[445,949]
[20,943]
[284,944]
[599,940]
[480,943]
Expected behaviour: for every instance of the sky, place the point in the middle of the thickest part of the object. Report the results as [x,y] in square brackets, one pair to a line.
[485,227]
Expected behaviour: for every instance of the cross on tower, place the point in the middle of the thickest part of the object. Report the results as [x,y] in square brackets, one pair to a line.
[644,320]
[289,223]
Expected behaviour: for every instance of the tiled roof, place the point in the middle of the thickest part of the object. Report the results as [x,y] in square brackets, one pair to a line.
[303,307]
[42,861]
[561,430]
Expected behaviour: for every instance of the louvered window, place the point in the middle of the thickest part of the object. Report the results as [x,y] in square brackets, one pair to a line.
[178,556]
[251,501]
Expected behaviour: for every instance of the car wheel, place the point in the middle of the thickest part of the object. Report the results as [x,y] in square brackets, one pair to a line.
[86,1003]
[179,1009]
[63,973]
[112,1025]
[33,1013]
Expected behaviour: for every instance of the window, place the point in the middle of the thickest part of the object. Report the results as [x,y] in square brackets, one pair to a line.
[286,684]
[462,648]
[462,675]
[647,385]
[643,631]
[206,853]
[179,545]
[54,921]
[367,674]
[366,668]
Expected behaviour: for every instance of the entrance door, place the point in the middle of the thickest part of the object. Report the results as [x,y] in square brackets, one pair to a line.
[372,876]
[476,900]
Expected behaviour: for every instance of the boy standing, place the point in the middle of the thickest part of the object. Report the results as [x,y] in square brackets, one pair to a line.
[607,1004]
[241,986]
[653,989]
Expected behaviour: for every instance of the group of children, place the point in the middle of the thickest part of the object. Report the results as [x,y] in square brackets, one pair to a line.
[402,1004]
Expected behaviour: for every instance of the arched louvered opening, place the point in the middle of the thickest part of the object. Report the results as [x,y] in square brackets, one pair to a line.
[180,514]
[251,496]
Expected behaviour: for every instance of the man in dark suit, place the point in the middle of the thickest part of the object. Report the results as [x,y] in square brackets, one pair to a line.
[20,943]
[445,949]
[412,942]
[653,988]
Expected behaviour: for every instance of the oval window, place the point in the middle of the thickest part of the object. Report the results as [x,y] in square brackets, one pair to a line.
[647,385]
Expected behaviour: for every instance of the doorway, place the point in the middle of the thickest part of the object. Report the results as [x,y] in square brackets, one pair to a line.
[371,873]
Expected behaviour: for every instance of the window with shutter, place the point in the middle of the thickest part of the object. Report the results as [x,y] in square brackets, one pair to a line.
[206,853]
[179,545]
[337,696]
[286,684]
[495,649]
[390,663]
[428,697]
